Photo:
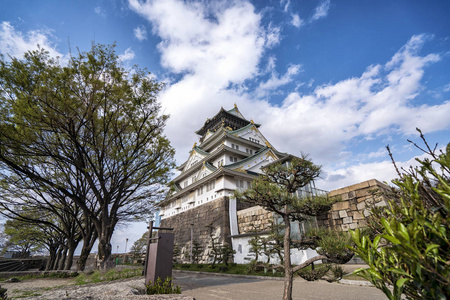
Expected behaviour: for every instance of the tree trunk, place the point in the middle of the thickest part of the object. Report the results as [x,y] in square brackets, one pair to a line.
[58,258]
[51,259]
[104,253]
[288,274]
[88,243]
[69,260]
[62,260]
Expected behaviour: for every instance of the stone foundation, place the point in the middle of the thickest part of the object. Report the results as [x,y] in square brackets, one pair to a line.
[254,219]
[215,212]
[355,204]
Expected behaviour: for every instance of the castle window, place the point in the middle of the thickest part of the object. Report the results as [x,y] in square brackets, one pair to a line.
[200,191]
[239,183]
[233,159]
[210,185]
[253,140]
[186,183]
[249,151]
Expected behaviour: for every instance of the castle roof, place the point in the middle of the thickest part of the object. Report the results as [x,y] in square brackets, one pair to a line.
[231,119]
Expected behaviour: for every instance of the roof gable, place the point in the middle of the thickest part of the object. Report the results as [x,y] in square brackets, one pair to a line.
[196,155]
[254,163]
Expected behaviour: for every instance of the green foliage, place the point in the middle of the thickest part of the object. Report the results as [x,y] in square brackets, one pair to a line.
[338,272]
[197,249]
[90,132]
[3,294]
[243,269]
[412,252]
[139,247]
[166,287]
[112,274]
[334,245]
[278,190]
[313,274]
[23,236]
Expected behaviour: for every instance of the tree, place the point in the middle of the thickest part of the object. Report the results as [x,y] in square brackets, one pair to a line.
[276,191]
[23,237]
[410,246]
[139,247]
[91,131]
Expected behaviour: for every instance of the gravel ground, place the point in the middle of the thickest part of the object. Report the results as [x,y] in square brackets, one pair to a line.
[63,288]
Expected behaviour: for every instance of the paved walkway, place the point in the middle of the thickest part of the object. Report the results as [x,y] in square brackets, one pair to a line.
[207,287]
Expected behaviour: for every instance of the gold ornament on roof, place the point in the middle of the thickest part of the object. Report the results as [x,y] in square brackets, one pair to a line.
[268,144]
[235,106]
[195,144]
[251,120]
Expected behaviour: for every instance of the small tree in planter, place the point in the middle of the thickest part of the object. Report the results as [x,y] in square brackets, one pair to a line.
[276,191]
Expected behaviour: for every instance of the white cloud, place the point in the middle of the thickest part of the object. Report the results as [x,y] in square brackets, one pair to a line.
[321,10]
[127,55]
[296,21]
[100,11]
[276,81]
[15,43]
[378,101]
[447,87]
[285,4]
[218,48]
[140,33]
[273,36]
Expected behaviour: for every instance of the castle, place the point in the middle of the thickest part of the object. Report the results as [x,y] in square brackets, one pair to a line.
[230,152]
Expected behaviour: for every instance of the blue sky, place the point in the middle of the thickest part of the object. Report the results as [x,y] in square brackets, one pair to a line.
[336,79]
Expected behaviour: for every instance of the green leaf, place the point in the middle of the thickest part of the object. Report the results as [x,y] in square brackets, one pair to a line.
[401,282]
[387,226]
[392,239]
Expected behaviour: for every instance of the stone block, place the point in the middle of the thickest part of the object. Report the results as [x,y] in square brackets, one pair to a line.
[361,199]
[367,212]
[342,213]
[353,207]
[335,215]
[351,194]
[357,215]
[344,197]
[362,223]
[347,220]
[360,186]
[340,205]
[381,203]
[373,182]
[339,191]
[344,227]
[361,206]
[353,226]
[363,193]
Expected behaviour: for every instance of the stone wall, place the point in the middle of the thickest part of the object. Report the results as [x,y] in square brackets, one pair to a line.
[215,212]
[254,219]
[355,205]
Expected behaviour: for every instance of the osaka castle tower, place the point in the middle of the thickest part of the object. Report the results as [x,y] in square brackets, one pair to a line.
[200,206]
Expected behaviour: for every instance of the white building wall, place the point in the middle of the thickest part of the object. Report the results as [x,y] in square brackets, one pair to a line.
[243,255]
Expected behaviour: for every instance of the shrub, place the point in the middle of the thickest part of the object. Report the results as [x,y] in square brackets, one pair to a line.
[338,272]
[412,251]
[166,287]
[3,295]
[311,274]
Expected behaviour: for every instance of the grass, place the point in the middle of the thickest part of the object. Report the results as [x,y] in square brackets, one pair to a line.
[110,275]
[238,269]
[44,275]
